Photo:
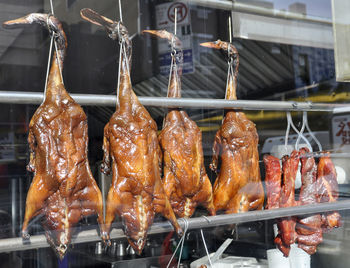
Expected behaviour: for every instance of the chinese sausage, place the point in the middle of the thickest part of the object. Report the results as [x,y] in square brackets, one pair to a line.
[63,188]
[132,152]
[308,228]
[185,180]
[319,184]
[238,186]
[286,226]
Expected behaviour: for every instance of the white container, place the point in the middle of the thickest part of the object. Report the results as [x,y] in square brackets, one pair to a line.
[276,259]
[298,258]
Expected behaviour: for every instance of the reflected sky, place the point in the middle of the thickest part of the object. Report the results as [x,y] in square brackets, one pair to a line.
[320,8]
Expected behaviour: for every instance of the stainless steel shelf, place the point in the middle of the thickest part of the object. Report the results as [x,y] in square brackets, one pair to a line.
[39,241]
[22,97]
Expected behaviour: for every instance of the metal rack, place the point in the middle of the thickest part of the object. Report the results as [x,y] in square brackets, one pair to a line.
[23,97]
[39,241]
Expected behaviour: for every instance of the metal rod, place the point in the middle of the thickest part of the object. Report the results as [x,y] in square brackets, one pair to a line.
[230,29]
[175,20]
[246,8]
[22,97]
[39,241]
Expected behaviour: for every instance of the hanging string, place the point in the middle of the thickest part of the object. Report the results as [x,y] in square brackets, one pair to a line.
[181,242]
[48,67]
[51,5]
[119,72]
[53,37]
[206,249]
[120,11]
[173,65]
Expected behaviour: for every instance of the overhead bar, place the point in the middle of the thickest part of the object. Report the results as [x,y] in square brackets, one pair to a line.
[39,241]
[22,97]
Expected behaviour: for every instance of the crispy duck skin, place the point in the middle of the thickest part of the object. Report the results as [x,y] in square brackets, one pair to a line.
[327,191]
[286,226]
[63,188]
[308,228]
[238,186]
[185,180]
[132,151]
[273,174]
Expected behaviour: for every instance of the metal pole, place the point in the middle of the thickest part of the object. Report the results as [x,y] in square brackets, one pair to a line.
[13,205]
[39,241]
[22,97]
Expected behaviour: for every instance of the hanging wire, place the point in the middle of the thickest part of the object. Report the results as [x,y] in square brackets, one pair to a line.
[175,20]
[119,72]
[300,133]
[53,37]
[48,67]
[206,249]
[311,133]
[120,11]
[50,50]
[51,5]
[181,242]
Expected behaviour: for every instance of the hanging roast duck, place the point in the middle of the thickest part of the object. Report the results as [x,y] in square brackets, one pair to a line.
[238,186]
[185,180]
[63,188]
[132,151]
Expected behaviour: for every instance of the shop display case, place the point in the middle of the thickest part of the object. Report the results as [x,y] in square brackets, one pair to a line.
[289,73]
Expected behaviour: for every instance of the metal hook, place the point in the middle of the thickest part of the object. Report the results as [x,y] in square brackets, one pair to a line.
[300,133]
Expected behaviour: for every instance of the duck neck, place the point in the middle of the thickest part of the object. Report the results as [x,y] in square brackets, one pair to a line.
[55,90]
[174,87]
[125,87]
[231,85]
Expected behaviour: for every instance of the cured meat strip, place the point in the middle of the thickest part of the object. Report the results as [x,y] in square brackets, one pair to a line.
[308,228]
[132,151]
[63,188]
[327,191]
[273,174]
[185,180]
[286,226]
[238,186]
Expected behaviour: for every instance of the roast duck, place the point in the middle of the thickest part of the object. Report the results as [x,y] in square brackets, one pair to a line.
[319,184]
[185,180]
[238,186]
[63,188]
[132,152]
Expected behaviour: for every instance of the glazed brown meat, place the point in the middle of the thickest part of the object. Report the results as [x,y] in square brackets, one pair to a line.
[327,190]
[63,188]
[185,180]
[132,151]
[286,226]
[238,186]
[273,174]
[308,228]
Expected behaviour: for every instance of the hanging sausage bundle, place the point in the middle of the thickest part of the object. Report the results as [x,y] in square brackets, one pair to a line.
[131,149]
[185,180]
[63,188]
[319,184]
[238,186]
